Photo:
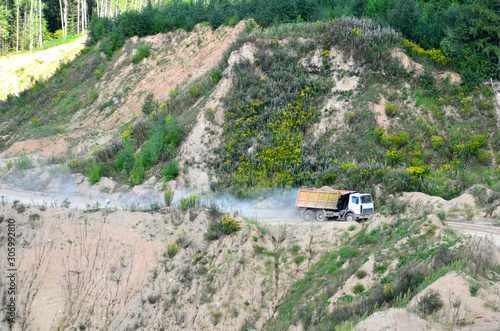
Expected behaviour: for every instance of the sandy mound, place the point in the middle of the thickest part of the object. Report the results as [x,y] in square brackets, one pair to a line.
[460,208]
[395,320]
[460,308]
[407,63]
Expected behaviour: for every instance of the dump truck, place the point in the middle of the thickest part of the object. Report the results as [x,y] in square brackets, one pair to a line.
[323,204]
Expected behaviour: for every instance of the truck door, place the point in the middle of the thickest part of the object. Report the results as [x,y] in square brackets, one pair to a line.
[355,205]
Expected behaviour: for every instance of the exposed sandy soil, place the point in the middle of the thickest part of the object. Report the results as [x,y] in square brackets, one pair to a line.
[37,65]
[379,110]
[106,270]
[50,147]
[397,320]
[406,62]
[178,60]
[459,306]
[197,150]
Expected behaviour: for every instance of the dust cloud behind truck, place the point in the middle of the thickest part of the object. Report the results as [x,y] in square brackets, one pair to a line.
[326,203]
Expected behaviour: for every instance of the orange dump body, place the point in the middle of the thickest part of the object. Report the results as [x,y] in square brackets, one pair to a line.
[316,198]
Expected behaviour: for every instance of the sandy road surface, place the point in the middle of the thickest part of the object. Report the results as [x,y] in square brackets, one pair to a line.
[484,228]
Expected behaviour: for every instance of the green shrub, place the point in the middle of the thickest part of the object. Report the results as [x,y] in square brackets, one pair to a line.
[148,106]
[430,302]
[393,157]
[34,217]
[24,162]
[136,174]
[98,72]
[347,252]
[436,142]
[94,172]
[361,274]
[170,170]
[35,122]
[442,215]
[112,42]
[92,96]
[358,288]
[386,280]
[299,259]
[381,268]
[142,52]
[474,288]
[352,227]
[215,76]
[152,298]
[195,90]
[263,250]
[168,196]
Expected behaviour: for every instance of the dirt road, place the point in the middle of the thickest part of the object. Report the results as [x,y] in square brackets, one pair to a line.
[483,228]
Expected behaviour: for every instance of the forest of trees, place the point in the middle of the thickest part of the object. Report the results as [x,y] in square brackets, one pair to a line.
[28,24]
[468,31]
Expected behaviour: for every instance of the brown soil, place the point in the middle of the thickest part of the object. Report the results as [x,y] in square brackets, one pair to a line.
[50,147]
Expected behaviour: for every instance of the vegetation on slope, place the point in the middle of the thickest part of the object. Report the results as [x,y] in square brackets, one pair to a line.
[467,32]
[442,139]
[402,271]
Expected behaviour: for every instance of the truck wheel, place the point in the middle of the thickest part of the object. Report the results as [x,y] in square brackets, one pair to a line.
[309,215]
[320,216]
[349,217]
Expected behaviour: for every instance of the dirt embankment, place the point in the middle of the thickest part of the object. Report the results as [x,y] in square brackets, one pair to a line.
[112,270]
[177,60]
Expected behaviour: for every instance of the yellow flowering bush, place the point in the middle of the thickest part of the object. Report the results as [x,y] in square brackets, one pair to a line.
[35,122]
[418,171]
[172,250]
[393,157]
[357,32]
[59,95]
[434,54]
[436,142]
[275,162]
[467,104]
[229,225]
[392,109]
[188,202]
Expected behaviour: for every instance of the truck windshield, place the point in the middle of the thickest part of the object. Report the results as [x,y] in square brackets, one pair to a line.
[366,199]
